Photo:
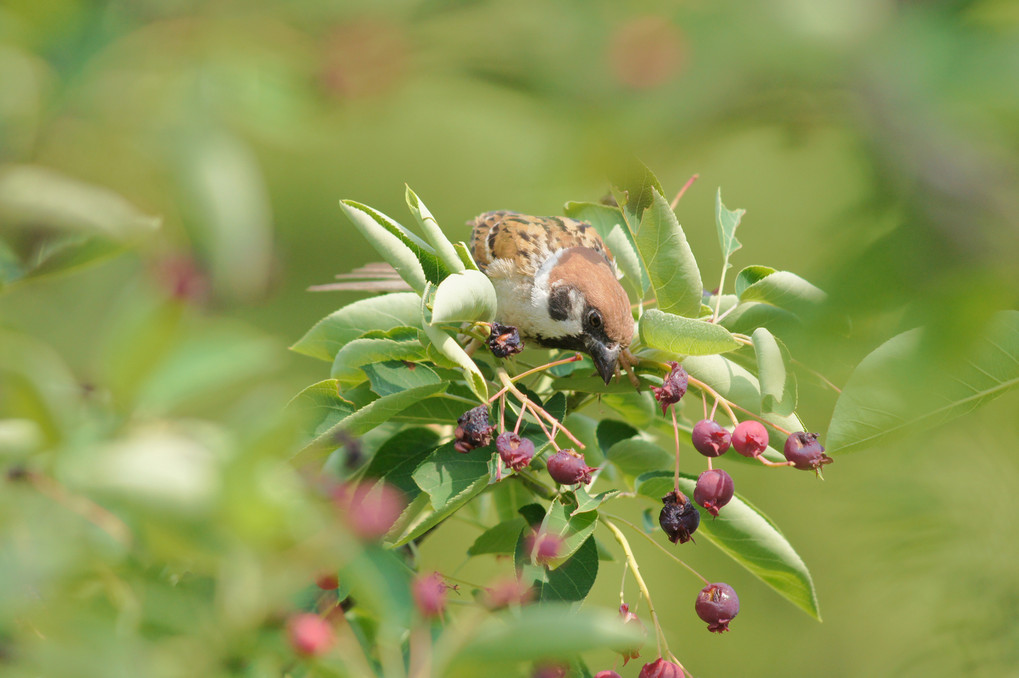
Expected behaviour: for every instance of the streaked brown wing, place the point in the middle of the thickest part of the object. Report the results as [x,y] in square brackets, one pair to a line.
[511,235]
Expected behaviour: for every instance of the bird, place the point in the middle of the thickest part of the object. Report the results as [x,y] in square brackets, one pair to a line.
[556,282]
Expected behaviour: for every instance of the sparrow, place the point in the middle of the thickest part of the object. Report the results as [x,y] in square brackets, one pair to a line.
[556,282]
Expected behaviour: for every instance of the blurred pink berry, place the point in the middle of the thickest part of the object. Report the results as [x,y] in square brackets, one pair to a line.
[430,594]
[369,510]
[310,635]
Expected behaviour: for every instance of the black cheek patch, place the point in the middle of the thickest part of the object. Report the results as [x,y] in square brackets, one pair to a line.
[559,303]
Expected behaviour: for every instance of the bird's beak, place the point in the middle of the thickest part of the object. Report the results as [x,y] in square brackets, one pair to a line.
[604,358]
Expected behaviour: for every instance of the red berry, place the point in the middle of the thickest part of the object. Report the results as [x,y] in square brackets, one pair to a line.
[750,438]
[473,429]
[430,594]
[714,490]
[369,510]
[717,604]
[607,674]
[709,438]
[673,386]
[803,450]
[568,468]
[511,591]
[543,546]
[678,518]
[660,668]
[328,582]
[517,452]
[309,634]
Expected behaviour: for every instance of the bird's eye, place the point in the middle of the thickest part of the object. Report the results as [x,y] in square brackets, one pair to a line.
[594,319]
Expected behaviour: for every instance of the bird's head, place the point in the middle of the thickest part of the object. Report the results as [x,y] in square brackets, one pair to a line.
[587,308]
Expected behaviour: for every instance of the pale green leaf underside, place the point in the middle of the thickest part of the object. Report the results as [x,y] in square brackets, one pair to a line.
[684,336]
[444,249]
[727,221]
[330,334]
[467,296]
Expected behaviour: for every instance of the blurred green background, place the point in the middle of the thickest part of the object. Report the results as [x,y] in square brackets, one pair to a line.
[874,145]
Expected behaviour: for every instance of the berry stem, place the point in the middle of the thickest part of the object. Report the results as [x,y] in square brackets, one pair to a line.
[536,411]
[675,429]
[817,374]
[725,403]
[624,521]
[635,569]
[550,436]
[83,506]
[762,420]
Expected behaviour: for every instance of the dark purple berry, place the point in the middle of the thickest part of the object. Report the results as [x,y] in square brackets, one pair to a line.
[714,490]
[803,450]
[568,468]
[717,604]
[473,429]
[517,452]
[709,438]
[750,438]
[661,668]
[678,518]
[673,387]
[504,341]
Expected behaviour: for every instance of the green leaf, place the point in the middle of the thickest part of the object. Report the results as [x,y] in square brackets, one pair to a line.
[347,367]
[330,334]
[443,247]
[635,187]
[380,580]
[437,409]
[500,539]
[627,261]
[636,455]
[467,296]
[537,632]
[414,261]
[320,407]
[464,253]
[749,315]
[611,431]
[778,384]
[392,376]
[684,336]
[899,388]
[637,408]
[573,528]
[421,516]
[590,502]
[572,580]
[448,347]
[448,473]
[727,221]
[747,536]
[670,263]
[397,458]
[779,288]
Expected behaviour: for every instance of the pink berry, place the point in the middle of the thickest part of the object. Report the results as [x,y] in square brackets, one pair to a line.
[750,438]
[714,490]
[709,438]
[607,674]
[717,604]
[515,451]
[673,386]
[430,594]
[369,510]
[568,468]
[803,450]
[660,668]
[309,634]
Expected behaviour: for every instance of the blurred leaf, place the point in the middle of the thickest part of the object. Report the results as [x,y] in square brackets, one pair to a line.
[748,537]
[411,257]
[572,528]
[397,458]
[636,455]
[443,247]
[421,516]
[320,407]
[500,539]
[727,221]
[467,296]
[572,580]
[778,384]
[447,473]
[340,327]
[538,632]
[684,336]
[611,431]
[391,377]
[359,353]
[635,187]
[896,389]
[779,288]
[670,263]
[380,583]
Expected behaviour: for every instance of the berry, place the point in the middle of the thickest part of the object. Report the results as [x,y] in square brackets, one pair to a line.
[630,618]
[504,341]
[369,510]
[430,594]
[506,592]
[660,668]
[568,468]
[550,671]
[750,438]
[678,518]
[717,604]
[309,634]
[328,582]
[517,452]
[673,387]
[473,429]
[709,438]
[803,450]
[607,674]
[543,546]
[714,490]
